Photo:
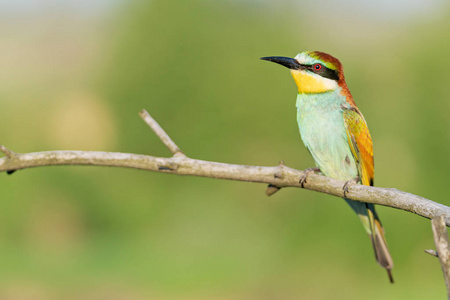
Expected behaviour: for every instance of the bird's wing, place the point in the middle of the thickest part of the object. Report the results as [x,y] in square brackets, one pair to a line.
[360,143]
[361,146]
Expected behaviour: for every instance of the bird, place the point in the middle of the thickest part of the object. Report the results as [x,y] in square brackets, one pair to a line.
[334,131]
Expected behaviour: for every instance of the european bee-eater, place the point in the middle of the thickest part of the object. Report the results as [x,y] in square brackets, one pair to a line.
[336,133]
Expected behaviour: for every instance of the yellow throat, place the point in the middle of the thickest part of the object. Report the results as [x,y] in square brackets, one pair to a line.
[312,83]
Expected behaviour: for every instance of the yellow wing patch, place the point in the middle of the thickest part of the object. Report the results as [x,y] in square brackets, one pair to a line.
[360,143]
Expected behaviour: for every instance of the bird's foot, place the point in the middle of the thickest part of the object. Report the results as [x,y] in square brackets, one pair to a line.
[349,183]
[304,177]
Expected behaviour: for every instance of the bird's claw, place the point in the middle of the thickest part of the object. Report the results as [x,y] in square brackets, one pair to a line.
[304,177]
[348,184]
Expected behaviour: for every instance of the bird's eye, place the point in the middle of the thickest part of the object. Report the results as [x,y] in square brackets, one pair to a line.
[317,67]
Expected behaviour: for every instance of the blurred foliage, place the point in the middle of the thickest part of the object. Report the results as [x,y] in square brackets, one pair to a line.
[100,233]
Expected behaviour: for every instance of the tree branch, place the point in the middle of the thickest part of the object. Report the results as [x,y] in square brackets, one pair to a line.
[277,177]
[443,248]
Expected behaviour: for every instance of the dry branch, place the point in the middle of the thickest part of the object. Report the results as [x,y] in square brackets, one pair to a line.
[277,177]
[443,248]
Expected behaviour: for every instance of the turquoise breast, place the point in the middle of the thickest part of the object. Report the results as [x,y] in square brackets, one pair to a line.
[322,130]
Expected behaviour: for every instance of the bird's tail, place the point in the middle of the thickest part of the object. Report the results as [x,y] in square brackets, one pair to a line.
[368,216]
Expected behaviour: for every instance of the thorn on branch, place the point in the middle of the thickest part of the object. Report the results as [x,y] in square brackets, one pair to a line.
[271,189]
[432,252]
[163,136]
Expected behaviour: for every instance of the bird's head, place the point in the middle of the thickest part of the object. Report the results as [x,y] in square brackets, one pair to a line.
[313,71]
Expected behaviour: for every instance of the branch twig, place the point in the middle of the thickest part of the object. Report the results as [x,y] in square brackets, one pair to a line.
[8,153]
[443,248]
[431,252]
[163,136]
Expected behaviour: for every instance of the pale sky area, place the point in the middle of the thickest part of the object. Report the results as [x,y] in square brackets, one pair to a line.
[15,7]
[383,9]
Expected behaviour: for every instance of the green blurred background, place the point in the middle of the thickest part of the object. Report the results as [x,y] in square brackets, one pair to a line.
[74,74]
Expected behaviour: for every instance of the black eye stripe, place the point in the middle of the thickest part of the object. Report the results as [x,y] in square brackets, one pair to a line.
[324,71]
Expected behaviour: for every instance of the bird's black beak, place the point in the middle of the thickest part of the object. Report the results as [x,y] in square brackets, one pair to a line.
[288,62]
